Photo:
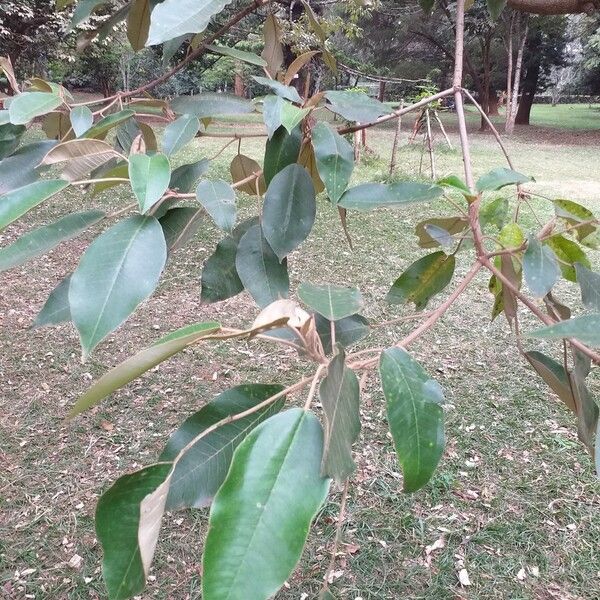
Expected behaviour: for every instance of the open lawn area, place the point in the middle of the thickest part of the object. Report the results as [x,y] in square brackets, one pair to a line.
[514,501]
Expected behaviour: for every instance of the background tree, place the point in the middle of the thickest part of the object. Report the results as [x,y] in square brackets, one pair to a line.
[544,49]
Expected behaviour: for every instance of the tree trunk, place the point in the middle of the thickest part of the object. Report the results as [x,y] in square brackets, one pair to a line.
[512,115]
[487,92]
[238,86]
[381,95]
[493,104]
[528,94]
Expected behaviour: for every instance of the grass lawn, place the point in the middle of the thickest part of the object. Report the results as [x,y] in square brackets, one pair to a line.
[514,502]
[567,116]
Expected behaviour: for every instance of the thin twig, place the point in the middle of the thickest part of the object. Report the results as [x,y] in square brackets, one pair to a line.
[338,537]
[397,113]
[431,320]
[313,386]
[491,126]
[231,418]
[188,59]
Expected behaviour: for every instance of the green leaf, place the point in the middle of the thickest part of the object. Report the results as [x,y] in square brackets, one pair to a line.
[427,5]
[259,268]
[348,330]
[150,177]
[575,214]
[28,105]
[335,159]
[456,183]
[568,253]
[141,362]
[81,120]
[173,18]
[171,47]
[284,91]
[587,409]
[277,112]
[84,9]
[554,374]
[138,22]
[435,232]
[218,199]
[220,279]
[496,7]
[368,196]
[56,308]
[128,518]
[439,235]
[339,394]
[589,282]
[130,129]
[248,57]
[120,170]
[179,133]
[356,106]
[540,267]
[511,236]
[415,416]
[281,150]
[331,301]
[499,178]
[242,167]
[21,168]
[424,279]
[261,515]
[117,272]
[17,202]
[289,209]
[586,329]
[494,212]
[41,240]
[10,136]
[179,225]
[210,104]
[107,123]
[185,178]
[201,470]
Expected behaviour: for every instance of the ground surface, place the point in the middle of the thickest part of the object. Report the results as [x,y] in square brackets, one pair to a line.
[514,501]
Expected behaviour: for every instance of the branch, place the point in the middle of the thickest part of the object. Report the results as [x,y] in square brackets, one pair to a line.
[554,7]
[458,98]
[430,321]
[533,308]
[256,4]
[491,126]
[397,113]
